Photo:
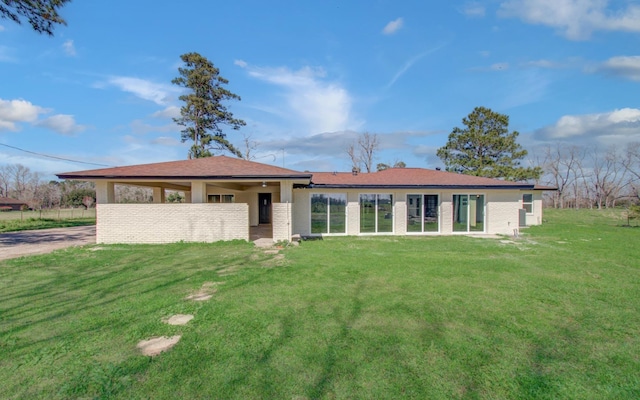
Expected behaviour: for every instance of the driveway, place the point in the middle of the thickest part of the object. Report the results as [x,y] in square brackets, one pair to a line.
[25,243]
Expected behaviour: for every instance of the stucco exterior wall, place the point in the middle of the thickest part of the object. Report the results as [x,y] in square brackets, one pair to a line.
[535,218]
[167,223]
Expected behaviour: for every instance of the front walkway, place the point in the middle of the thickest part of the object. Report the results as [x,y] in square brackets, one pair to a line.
[262,231]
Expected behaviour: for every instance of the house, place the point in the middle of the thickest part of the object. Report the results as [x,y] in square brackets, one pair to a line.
[9,204]
[229,198]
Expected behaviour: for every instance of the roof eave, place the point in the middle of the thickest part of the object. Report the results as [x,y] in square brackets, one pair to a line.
[183,177]
[361,186]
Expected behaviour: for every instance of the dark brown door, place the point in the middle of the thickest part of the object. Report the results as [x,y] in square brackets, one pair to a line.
[265,208]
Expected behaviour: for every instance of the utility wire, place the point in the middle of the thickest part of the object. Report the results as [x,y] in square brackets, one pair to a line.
[54,157]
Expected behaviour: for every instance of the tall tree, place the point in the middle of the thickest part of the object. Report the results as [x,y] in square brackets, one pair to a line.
[203,114]
[41,14]
[485,147]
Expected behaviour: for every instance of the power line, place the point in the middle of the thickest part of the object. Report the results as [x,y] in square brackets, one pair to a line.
[54,157]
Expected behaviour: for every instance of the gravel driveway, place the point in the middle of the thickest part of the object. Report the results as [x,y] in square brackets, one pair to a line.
[25,243]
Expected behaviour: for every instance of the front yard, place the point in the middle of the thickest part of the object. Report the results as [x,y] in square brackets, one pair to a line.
[553,314]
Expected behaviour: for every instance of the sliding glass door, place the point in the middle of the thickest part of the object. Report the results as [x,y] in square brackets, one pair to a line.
[328,213]
[376,213]
[422,213]
[468,213]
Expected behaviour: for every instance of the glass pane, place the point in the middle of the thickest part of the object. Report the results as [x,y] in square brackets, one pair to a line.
[227,198]
[527,198]
[431,213]
[318,213]
[385,213]
[476,213]
[214,198]
[460,212]
[528,208]
[414,213]
[337,213]
[367,213]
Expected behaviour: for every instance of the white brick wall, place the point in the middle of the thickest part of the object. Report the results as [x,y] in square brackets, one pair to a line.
[501,207]
[167,223]
[281,221]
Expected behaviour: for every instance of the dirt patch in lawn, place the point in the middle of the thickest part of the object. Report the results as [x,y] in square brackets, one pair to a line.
[178,319]
[157,345]
[206,292]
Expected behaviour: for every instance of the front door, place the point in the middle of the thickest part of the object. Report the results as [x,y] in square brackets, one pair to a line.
[264,200]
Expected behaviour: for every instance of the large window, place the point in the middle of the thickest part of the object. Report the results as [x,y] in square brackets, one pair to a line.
[422,213]
[220,198]
[468,213]
[527,202]
[376,213]
[328,213]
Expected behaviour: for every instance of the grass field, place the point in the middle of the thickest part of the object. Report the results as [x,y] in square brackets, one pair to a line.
[42,223]
[552,315]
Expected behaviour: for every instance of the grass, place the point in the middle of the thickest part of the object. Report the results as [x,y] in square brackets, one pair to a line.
[555,314]
[42,223]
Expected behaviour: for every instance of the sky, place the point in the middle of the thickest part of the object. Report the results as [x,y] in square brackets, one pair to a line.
[313,75]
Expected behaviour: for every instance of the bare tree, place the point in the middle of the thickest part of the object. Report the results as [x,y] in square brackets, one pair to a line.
[362,152]
[249,148]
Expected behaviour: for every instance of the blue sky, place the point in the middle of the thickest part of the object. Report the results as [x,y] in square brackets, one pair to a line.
[313,74]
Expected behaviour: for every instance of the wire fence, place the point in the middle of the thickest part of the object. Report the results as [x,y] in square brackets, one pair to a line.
[60,213]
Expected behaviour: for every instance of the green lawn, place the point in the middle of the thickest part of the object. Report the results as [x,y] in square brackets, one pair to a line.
[42,223]
[555,314]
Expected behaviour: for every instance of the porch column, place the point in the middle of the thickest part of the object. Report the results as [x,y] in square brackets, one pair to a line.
[198,192]
[105,193]
[187,196]
[158,195]
[286,191]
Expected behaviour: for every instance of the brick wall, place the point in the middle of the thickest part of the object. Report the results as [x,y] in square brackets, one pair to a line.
[167,223]
[281,221]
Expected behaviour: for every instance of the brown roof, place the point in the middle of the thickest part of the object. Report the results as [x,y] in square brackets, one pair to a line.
[410,177]
[218,167]
[9,200]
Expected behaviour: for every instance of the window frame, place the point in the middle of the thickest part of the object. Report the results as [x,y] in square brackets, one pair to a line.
[422,197]
[328,196]
[221,196]
[484,213]
[376,217]
[527,203]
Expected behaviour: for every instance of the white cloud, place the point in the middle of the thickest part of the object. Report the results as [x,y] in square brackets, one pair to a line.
[12,111]
[159,93]
[62,123]
[240,63]
[169,112]
[69,48]
[393,26]
[321,106]
[627,67]
[410,62]
[575,19]
[140,127]
[622,124]
[473,9]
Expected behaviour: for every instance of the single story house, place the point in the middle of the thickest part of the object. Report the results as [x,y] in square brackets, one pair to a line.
[230,198]
[9,204]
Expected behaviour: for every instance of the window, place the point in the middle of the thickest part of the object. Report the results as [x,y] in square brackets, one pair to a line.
[220,198]
[376,213]
[328,213]
[422,213]
[468,213]
[527,202]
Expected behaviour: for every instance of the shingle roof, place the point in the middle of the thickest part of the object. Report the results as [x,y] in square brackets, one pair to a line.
[9,200]
[409,177]
[218,167]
